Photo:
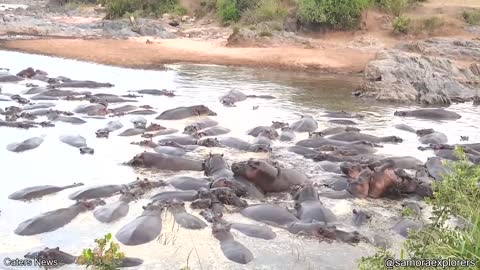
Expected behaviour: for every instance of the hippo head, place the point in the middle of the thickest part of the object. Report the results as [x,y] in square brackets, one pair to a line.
[139,125]
[27,73]
[316,134]
[239,189]
[271,134]
[102,133]
[348,237]
[278,124]
[201,204]
[360,187]
[156,206]
[203,110]
[46,124]
[137,161]
[351,170]
[190,129]
[91,204]
[198,135]
[369,144]
[146,184]
[239,168]
[304,193]
[406,183]
[326,148]
[147,143]
[213,163]
[171,144]
[211,216]
[154,127]
[221,231]
[86,150]
[360,217]
[51,254]
[41,72]
[345,152]
[209,142]
[228,102]
[260,148]
[400,113]
[52,115]
[258,170]
[131,195]
[425,131]
[228,196]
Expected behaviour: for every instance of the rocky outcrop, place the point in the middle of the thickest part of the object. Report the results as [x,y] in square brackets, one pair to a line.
[405,76]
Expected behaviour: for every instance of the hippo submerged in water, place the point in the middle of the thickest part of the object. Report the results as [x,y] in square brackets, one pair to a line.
[432,114]
[185,112]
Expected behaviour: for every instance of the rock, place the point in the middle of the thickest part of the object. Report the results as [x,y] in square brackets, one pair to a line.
[475,68]
[400,76]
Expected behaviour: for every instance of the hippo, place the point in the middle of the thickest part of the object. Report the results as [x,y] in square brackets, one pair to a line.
[10,78]
[343,122]
[287,134]
[30,72]
[336,130]
[213,131]
[185,112]
[232,97]
[357,136]
[187,195]
[267,177]
[24,125]
[53,220]
[264,138]
[188,183]
[342,114]
[39,191]
[305,124]
[41,105]
[170,150]
[145,228]
[308,206]
[65,119]
[436,168]
[216,167]
[360,217]
[114,125]
[413,207]
[94,192]
[26,145]
[62,258]
[107,98]
[131,132]
[405,128]
[199,125]
[75,141]
[254,230]
[182,217]
[382,179]
[92,109]
[275,125]
[165,162]
[406,162]
[122,109]
[143,112]
[63,93]
[81,84]
[404,225]
[332,167]
[431,114]
[363,147]
[434,138]
[156,92]
[116,210]
[35,90]
[304,151]
[231,248]
[183,140]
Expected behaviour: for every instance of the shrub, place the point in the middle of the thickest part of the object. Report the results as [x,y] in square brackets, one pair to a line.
[266,10]
[401,24]
[119,8]
[105,256]
[472,16]
[432,23]
[227,11]
[265,34]
[339,14]
[395,7]
[456,196]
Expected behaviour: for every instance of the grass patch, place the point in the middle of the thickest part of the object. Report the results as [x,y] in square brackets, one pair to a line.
[105,256]
[456,196]
[265,34]
[472,16]
[147,8]
[227,11]
[401,24]
[337,14]
[265,11]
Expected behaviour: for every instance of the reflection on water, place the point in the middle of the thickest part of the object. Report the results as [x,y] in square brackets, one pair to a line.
[56,163]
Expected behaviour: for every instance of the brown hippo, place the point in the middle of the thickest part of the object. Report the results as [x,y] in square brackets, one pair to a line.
[185,112]
[268,177]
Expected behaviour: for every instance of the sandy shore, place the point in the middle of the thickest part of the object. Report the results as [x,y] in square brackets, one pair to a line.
[135,53]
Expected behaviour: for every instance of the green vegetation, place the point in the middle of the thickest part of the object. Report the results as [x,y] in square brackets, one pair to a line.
[456,197]
[265,11]
[472,16]
[395,7]
[338,14]
[227,11]
[148,8]
[401,24]
[105,256]
[407,212]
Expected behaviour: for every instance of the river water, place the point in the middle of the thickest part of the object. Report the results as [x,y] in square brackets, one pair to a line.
[296,93]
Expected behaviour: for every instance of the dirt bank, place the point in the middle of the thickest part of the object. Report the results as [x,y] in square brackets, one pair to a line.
[136,53]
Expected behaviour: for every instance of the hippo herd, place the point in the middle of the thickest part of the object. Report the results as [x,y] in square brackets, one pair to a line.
[344,151]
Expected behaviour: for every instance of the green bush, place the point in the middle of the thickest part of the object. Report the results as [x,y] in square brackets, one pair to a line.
[227,11]
[456,196]
[401,24]
[105,256]
[120,8]
[395,7]
[472,16]
[265,11]
[338,14]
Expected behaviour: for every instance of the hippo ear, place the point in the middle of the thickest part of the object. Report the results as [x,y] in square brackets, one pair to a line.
[222,155]
[210,154]
[57,248]
[144,207]
[368,216]
[355,211]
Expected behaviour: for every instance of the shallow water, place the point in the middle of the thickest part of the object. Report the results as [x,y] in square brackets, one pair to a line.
[56,163]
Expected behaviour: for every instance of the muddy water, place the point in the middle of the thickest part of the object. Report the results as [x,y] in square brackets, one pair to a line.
[56,163]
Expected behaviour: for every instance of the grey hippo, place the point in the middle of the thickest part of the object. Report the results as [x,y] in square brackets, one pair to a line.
[363,147]
[212,131]
[65,119]
[305,124]
[308,206]
[187,195]
[26,145]
[165,162]
[53,220]
[332,131]
[116,210]
[275,125]
[92,109]
[357,136]
[342,114]
[360,217]
[183,140]
[216,167]
[265,137]
[436,168]
[432,114]
[39,191]
[268,177]
[231,248]
[145,228]
[239,144]
[188,183]
[185,112]
[199,125]
[76,141]
[182,217]
[82,84]
[343,122]
[232,97]
[403,226]
[156,92]
[63,258]
[93,192]
[433,138]
[10,78]
[122,109]
[287,134]
[41,105]
[405,127]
